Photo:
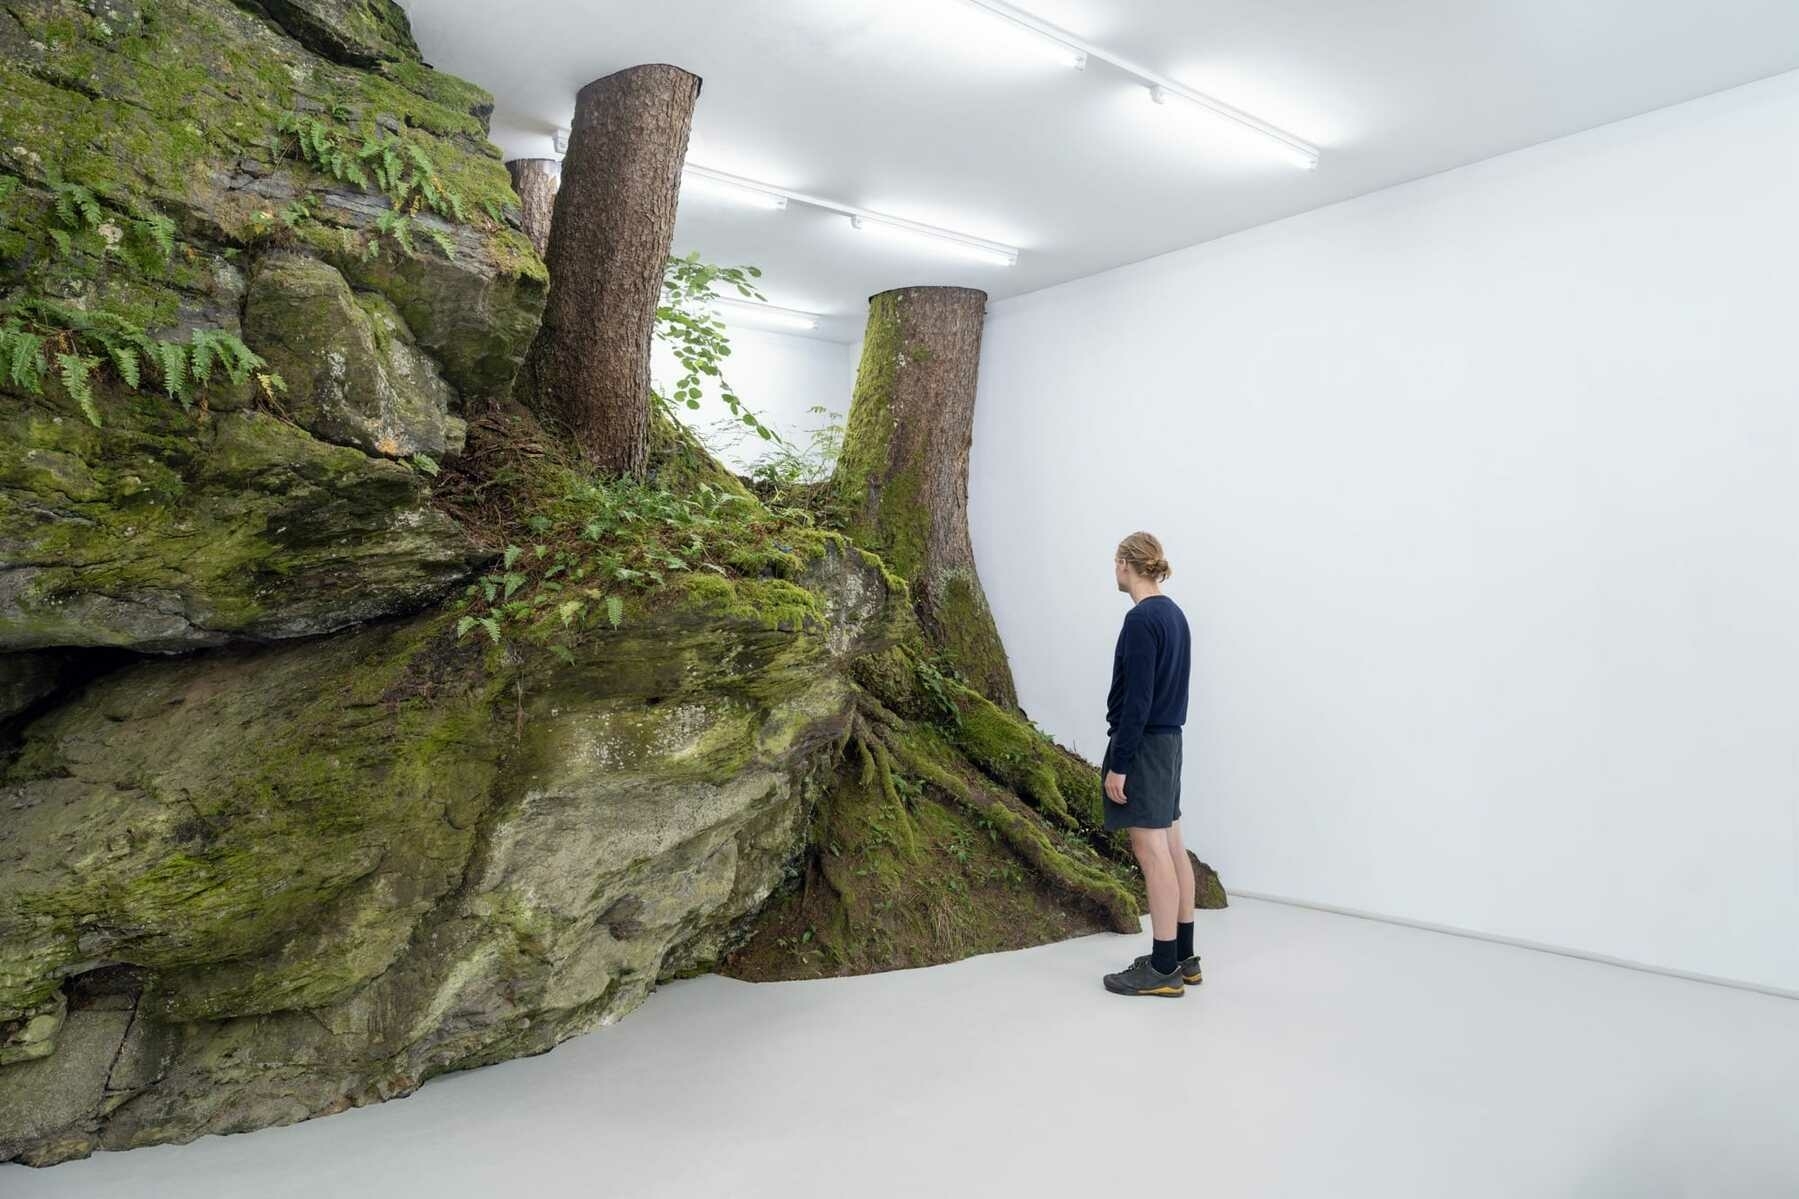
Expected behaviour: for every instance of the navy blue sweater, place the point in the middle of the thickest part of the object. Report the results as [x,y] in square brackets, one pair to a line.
[1149,677]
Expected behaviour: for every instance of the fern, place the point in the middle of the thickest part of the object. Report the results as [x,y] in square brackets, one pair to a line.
[444,242]
[161,232]
[399,169]
[171,361]
[75,369]
[615,610]
[124,359]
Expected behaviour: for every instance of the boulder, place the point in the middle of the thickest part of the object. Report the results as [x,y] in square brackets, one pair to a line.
[157,533]
[354,374]
[391,853]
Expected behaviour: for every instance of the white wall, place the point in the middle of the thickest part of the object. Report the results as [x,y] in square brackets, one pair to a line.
[1482,496]
[779,376]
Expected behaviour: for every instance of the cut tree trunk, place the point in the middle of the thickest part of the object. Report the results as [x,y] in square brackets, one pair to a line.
[588,373]
[535,180]
[903,472]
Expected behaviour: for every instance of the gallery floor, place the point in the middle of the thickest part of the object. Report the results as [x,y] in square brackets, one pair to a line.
[1324,1056]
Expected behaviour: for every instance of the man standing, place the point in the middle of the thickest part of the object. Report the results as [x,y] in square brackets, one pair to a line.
[1142,765]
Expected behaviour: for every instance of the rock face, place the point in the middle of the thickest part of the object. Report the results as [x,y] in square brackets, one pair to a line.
[154,533]
[247,515]
[386,854]
[354,374]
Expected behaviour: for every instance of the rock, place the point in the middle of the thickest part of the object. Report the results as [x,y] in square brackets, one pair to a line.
[354,374]
[388,854]
[177,109]
[26,679]
[155,532]
[361,33]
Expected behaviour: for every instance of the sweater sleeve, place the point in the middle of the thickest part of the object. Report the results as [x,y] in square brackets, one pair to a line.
[1137,653]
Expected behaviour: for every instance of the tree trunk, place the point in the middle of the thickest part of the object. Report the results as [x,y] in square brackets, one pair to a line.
[535,180]
[903,473]
[588,373]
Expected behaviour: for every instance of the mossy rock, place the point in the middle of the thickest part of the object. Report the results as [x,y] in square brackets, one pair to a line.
[174,108]
[354,373]
[160,532]
[393,852]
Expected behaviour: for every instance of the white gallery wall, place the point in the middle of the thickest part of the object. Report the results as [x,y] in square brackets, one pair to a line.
[1482,496]
[780,376]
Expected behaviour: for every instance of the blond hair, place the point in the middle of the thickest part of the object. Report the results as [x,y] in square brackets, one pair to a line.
[1143,554]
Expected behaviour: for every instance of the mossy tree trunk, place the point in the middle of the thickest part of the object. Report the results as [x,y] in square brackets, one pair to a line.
[903,473]
[588,373]
[535,180]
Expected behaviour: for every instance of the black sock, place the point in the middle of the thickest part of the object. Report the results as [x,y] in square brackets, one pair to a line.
[1162,955]
[1183,939]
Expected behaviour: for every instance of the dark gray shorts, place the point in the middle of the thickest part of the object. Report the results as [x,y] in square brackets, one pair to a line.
[1152,790]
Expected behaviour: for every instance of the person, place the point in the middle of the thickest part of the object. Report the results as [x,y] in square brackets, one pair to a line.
[1141,768]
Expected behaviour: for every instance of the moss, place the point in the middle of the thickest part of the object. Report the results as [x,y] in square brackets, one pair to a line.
[177,113]
[771,603]
[961,625]
[888,516]
[912,862]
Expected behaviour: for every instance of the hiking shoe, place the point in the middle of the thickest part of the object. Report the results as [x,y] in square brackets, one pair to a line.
[1142,978]
[1189,969]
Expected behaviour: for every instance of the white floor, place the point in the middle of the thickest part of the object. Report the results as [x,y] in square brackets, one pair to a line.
[1325,1056]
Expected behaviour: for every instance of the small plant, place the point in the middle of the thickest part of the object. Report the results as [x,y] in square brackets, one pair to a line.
[931,681]
[788,465]
[396,167]
[147,243]
[35,333]
[687,326]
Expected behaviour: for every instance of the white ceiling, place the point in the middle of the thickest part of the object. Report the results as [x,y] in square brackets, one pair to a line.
[929,110]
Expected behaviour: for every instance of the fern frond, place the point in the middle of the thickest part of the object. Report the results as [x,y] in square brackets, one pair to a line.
[124,358]
[444,242]
[75,370]
[171,361]
[161,230]
[200,353]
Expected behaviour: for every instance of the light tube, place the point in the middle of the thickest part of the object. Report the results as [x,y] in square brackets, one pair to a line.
[1301,155]
[1062,51]
[1296,150]
[936,239]
[717,184]
[780,318]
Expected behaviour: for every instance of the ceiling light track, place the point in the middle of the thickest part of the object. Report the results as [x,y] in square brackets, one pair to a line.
[1297,150]
[997,253]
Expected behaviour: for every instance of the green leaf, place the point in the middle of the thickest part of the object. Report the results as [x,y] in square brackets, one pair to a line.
[512,553]
[615,610]
[75,369]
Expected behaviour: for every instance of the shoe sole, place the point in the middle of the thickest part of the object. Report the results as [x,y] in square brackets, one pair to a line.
[1164,992]
[1192,980]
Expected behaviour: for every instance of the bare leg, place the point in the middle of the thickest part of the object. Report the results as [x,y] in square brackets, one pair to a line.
[1183,872]
[1151,847]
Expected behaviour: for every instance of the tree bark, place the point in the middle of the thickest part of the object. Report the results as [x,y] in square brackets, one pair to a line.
[903,472]
[588,373]
[535,180]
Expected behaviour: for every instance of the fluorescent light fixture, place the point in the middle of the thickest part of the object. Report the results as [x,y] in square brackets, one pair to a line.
[708,182]
[1301,155]
[1295,150]
[561,141]
[767,314]
[1062,50]
[940,240]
